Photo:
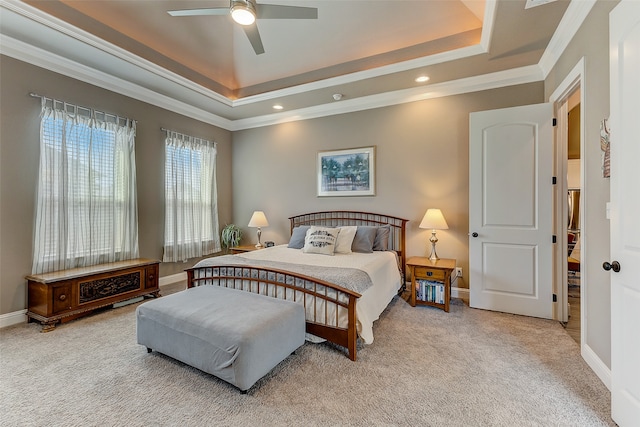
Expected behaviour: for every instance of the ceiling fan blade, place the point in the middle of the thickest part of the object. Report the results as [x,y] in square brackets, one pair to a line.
[200,12]
[272,11]
[254,37]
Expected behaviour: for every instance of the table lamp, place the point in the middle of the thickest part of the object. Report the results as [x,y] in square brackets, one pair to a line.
[258,219]
[434,220]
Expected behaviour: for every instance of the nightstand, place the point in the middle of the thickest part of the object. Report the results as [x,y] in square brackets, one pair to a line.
[433,280]
[244,248]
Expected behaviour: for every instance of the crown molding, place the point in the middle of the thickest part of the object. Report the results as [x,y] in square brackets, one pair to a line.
[52,62]
[495,80]
[487,24]
[569,25]
[483,47]
[363,75]
[39,17]
[44,59]
[190,99]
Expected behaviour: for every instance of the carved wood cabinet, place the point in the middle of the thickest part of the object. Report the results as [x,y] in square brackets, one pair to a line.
[65,295]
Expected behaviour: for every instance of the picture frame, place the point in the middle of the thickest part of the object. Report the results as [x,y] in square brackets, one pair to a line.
[349,172]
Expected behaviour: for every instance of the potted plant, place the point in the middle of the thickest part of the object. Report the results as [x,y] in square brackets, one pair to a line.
[230,236]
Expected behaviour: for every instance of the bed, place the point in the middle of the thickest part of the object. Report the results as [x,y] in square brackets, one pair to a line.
[343,294]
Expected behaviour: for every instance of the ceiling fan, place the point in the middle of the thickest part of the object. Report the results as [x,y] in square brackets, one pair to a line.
[245,13]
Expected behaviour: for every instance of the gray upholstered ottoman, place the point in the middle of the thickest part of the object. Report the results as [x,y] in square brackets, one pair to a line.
[235,335]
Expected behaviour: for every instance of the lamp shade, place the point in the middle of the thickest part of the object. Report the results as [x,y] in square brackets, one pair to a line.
[434,220]
[258,219]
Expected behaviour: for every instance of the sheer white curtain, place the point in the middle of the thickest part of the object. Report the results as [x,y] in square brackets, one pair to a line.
[86,210]
[191,198]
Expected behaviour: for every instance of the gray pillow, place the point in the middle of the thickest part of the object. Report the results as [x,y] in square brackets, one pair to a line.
[297,237]
[364,239]
[381,243]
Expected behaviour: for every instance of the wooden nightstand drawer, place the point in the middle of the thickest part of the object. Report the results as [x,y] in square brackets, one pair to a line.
[429,273]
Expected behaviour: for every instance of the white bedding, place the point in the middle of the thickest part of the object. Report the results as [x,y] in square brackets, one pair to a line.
[382,268]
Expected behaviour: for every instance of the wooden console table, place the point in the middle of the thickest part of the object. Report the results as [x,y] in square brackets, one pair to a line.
[65,295]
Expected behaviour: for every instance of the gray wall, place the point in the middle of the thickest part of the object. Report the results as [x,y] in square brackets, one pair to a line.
[19,151]
[422,161]
[592,43]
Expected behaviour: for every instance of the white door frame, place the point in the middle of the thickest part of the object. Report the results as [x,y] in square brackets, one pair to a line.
[573,81]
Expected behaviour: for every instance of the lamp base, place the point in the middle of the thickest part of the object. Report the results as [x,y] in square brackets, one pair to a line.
[433,256]
[259,245]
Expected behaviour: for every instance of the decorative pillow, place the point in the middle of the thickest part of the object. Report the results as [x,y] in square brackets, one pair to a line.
[345,239]
[382,238]
[320,240]
[297,236]
[364,238]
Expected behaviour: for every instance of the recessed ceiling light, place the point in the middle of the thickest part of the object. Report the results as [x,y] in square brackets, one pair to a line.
[278,107]
[422,79]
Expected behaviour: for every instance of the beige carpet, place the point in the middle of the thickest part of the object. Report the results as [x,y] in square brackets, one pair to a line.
[426,368]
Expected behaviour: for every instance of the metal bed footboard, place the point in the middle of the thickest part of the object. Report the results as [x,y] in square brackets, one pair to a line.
[330,309]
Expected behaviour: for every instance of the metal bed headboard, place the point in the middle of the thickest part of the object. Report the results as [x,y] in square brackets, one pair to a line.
[338,218]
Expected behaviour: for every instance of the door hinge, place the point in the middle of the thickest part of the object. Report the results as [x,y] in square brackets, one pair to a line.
[553,238]
[555,121]
[554,180]
[555,298]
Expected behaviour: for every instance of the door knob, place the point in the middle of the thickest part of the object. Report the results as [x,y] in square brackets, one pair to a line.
[474,234]
[615,266]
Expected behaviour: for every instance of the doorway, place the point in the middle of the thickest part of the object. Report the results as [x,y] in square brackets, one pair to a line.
[570,279]
[574,210]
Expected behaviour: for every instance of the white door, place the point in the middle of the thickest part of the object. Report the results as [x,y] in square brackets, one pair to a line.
[625,212]
[511,210]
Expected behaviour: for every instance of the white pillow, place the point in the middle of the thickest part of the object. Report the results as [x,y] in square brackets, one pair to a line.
[345,239]
[320,240]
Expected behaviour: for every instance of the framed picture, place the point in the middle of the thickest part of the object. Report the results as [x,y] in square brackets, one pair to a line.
[347,172]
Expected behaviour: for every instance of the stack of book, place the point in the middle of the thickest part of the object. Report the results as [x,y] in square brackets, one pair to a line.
[430,291]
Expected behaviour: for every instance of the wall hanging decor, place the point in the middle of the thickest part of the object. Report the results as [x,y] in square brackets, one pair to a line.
[347,172]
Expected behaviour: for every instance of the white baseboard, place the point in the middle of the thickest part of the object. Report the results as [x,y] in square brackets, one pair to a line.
[462,293]
[20,316]
[596,365]
[14,318]
[174,278]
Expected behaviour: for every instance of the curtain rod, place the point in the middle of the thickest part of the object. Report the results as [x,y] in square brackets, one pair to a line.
[35,95]
[182,135]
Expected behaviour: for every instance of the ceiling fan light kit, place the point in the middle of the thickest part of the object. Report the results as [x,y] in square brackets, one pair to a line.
[243,12]
[246,12]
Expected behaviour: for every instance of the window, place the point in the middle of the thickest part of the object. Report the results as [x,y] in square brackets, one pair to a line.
[191,209]
[86,211]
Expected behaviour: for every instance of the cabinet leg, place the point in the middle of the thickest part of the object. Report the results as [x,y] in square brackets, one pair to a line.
[48,326]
